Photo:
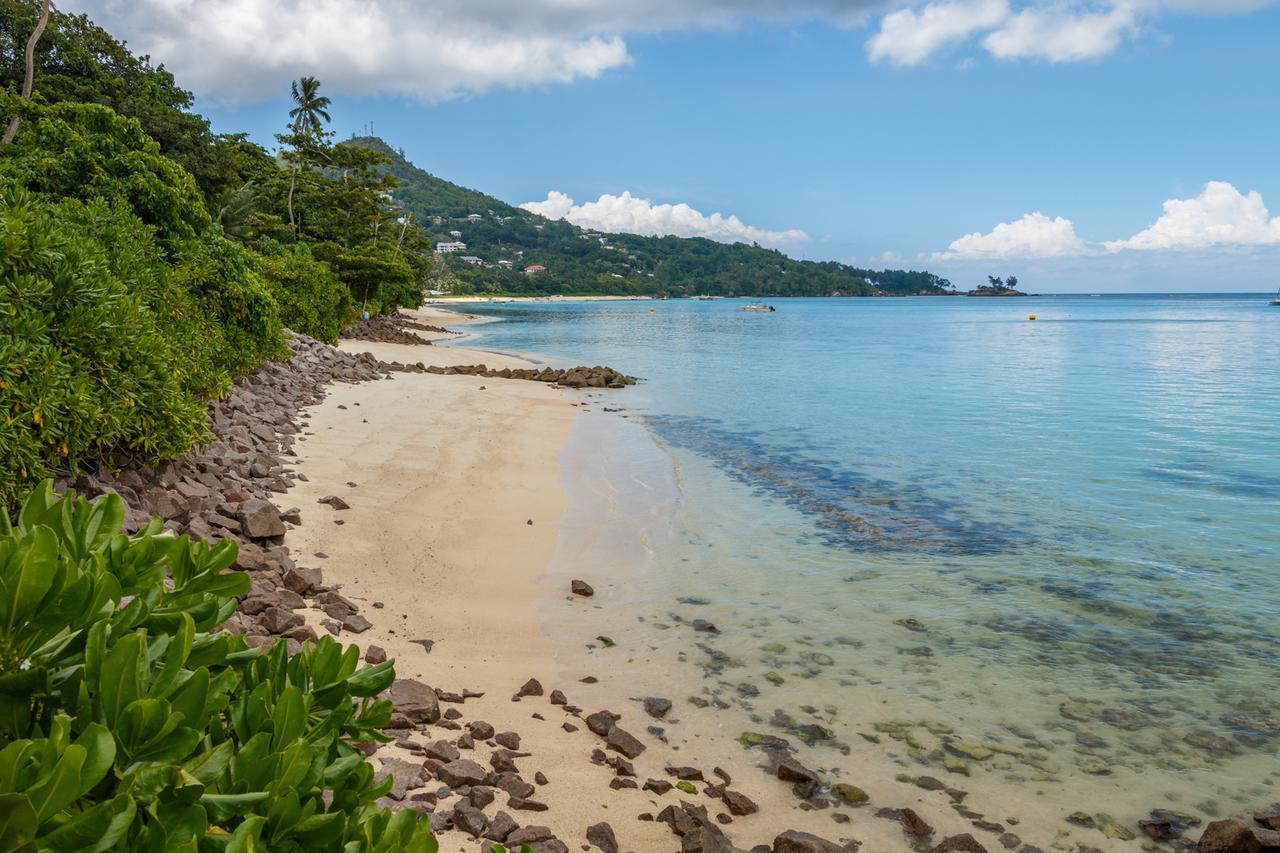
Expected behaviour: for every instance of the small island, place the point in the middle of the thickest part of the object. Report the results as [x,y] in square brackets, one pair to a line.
[997,286]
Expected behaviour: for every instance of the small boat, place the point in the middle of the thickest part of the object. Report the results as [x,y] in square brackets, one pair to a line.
[1276,301]
[757,308]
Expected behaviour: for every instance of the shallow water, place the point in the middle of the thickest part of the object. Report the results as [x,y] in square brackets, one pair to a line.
[1037,557]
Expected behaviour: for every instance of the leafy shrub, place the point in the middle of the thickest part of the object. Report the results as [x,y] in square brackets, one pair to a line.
[312,299]
[221,296]
[85,366]
[87,151]
[129,722]
[219,317]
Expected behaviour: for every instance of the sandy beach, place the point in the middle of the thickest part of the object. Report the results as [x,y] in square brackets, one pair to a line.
[455,493]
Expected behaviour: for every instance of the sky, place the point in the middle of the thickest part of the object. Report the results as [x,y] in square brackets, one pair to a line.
[1082,145]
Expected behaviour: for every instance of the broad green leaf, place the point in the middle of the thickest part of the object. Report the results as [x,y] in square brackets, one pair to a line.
[121,680]
[18,821]
[60,788]
[290,718]
[100,753]
[209,765]
[31,571]
[99,828]
[223,807]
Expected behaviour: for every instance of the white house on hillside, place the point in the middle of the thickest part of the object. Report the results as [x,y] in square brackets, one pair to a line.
[445,248]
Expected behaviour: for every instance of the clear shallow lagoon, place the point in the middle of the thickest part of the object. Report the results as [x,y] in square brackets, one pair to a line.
[1081,514]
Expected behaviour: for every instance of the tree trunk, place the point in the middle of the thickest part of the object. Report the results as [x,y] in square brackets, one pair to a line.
[293,181]
[12,130]
[403,228]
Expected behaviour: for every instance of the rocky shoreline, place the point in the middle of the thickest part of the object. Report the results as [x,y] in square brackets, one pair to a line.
[457,767]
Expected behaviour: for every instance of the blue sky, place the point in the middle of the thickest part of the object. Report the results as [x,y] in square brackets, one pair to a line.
[884,131]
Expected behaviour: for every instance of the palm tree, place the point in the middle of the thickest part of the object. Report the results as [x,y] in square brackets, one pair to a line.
[235,208]
[309,117]
[312,107]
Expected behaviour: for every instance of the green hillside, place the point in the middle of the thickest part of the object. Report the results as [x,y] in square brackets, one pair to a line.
[507,239]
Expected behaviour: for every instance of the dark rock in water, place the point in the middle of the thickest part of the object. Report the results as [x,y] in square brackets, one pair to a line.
[693,601]
[929,783]
[790,770]
[964,843]
[769,743]
[911,624]
[582,588]
[1230,836]
[792,841]
[1270,820]
[1212,743]
[601,835]
[703,625]
[851,794]
[656,706]
[1164,825]
[911,822]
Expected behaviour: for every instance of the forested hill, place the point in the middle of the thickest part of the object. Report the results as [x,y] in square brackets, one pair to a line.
[502,241]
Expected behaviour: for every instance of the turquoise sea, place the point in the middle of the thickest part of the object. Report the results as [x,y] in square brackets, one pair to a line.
[1045,555]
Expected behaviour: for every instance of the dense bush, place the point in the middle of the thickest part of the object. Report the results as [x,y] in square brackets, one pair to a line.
[235,320]
[85,365]
[128,721]
[219,317]
[312,299]
[87,151]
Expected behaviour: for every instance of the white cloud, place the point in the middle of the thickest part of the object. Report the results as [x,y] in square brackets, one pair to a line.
[426,49]
[632,215]
[1060,35]
[908,37]
[1220,215]
[1054,30]
[1033,236]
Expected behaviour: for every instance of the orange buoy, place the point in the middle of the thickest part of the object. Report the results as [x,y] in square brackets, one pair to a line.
[1032,317]
[650,309]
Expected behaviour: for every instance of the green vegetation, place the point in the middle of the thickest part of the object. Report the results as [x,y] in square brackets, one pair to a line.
[129,721]
[579,261]
[147,262]
[997,286]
